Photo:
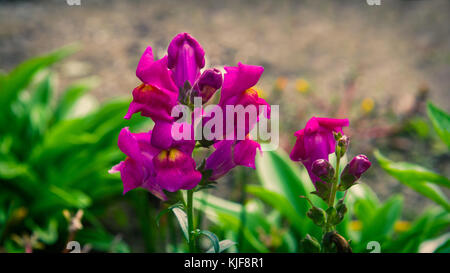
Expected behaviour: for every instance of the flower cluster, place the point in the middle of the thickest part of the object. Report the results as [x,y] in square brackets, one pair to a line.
[320,138]
[157,161]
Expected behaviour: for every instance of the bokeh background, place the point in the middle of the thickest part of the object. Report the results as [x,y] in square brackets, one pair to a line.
[376,65]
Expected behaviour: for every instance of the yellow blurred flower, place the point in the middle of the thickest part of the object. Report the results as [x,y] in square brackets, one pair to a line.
[356,225]
[367,105]
[399,226]
[302,85]
[402,226]
[281,83]
[20,213]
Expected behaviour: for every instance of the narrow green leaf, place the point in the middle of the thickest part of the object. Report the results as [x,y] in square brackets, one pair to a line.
[441,122]
[279,174]
[223,245]
[382,222]
[417,178]
[405,171]
[101,240]
[213,238]
[280,203]
[182,220]
[164,211]
[22,75]
[227,214]
[71,96]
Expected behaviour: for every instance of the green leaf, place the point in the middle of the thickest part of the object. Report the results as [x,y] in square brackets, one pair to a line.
[405,171]
[43,92]
[213,238]
[417,178]
[71,96]
[278,202]
[57,198]
[101,240]
[223,245]
[182,220]
[163,212]
[10,169]
[444,247]
[49,235]
[381,224]
[22,75]
[279,174]
[441,122]
[227,214]
[423,228]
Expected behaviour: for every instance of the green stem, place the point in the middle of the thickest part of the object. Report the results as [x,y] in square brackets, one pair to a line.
[190,215]
[243,217]
[335,182]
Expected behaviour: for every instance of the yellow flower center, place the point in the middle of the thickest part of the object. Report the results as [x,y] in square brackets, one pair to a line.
[171,154]
[146,87]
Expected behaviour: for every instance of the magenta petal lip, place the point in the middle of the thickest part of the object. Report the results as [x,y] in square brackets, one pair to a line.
[137,169]
[316,141]
[153,168]
[229,154]
[237,90]
[176,170]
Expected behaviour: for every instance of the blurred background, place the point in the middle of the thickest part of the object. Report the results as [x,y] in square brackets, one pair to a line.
[376,65]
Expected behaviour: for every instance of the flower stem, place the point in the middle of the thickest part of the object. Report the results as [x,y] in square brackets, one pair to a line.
[190,215]
[335,182]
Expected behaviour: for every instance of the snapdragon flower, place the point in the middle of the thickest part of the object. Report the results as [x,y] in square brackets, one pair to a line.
[153,168]
[316,141]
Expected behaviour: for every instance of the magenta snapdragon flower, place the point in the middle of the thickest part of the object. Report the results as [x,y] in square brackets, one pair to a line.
[316,141]
[155,97]
[155,169]
[237,89]
[158,162]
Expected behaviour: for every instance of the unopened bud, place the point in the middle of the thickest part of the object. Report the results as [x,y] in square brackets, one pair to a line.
[353,171]
[322,190]
[310,244]
[336,215]
[323,169]
[208,83]
[342,143]
[317,215]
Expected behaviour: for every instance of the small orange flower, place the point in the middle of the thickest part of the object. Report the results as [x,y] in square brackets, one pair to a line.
[281,83]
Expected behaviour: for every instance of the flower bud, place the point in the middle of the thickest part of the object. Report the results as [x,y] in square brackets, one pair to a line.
[341,209]
[310,244]
[208,83]
[353,171]
[317,215]
[322,190]
[185,58]
[323,169]
[342,143]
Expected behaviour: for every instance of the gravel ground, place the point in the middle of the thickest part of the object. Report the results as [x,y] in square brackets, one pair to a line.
[393,48]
